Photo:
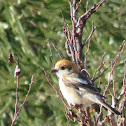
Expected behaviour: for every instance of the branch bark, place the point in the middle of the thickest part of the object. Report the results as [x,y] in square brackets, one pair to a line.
[74,43]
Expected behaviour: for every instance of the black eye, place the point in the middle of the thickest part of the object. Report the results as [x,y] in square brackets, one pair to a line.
[63,67]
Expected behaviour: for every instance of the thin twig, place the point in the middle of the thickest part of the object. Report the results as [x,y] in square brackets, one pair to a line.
[87,5]
[90,36]
[61,57]
[102,63]
[104,121]
[101,73]
[78,5]
[30,85]
[50,52]
[114,101]
[17,98]
[17,113]
[67,117]
[114,64]
[100,114]
[89,42]
[88,13]
[114,93]
[73,20]
[68,46]
[68,36]
[100,66]
[63,17]
[88,116]
[123,90]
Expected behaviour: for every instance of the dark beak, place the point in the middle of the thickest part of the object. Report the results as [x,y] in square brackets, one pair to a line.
[54,70]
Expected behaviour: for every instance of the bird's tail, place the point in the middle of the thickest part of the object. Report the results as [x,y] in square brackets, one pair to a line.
[102,102]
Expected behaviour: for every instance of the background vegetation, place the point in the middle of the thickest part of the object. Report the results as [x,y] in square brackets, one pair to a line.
[25,26]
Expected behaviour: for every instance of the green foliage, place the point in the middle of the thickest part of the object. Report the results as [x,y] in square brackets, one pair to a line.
[25,27]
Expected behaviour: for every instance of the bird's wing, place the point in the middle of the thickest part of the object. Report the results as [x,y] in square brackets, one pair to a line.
[79,83]
[85,75]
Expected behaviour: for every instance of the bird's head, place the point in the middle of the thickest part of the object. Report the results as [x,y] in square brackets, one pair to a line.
[64,67]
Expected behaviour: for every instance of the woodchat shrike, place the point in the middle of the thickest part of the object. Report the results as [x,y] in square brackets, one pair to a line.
[76,86]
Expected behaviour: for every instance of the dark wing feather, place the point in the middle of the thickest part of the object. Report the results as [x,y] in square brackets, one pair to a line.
[85,75]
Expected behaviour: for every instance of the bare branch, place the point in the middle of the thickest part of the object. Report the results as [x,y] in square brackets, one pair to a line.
[123,90]
[101,73]
[82,19]
[30,85]
[68,36]
[63,17]
[87,5]
[88,116]
[72,40]
[50,52]
[100,66]
[114,64]
[89,42]
[69,48]
[61,57]
[17,98]
[99,115]
[17,113]
[114,93]
[90,36]
[78,5]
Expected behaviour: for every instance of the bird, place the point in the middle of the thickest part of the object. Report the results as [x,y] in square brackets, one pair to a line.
[77,87]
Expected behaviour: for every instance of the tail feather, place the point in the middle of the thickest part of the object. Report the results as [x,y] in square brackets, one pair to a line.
[109,107]
[96,98]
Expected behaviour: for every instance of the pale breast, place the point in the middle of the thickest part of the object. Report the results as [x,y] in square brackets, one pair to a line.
[74,96]
[70,94]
